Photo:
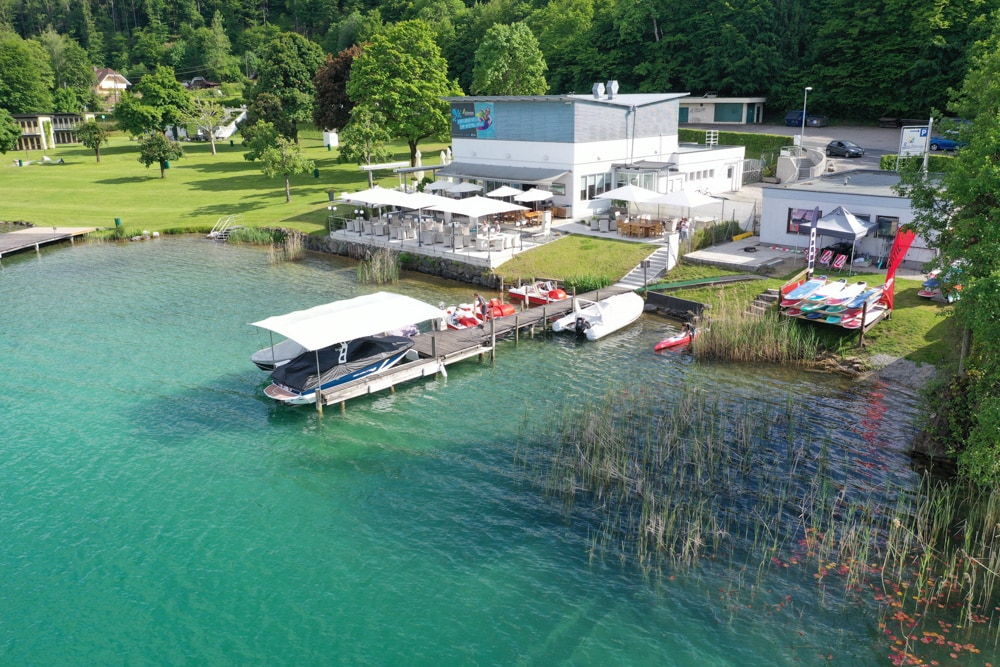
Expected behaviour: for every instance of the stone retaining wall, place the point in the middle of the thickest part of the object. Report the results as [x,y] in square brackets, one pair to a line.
[435,266]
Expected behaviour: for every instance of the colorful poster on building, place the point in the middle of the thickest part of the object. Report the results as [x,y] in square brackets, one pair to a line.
[472,119]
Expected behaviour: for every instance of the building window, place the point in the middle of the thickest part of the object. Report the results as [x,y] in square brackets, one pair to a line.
[886,226]
[799,220]
[592,186]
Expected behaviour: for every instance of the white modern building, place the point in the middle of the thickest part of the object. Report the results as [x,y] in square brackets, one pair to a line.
[580,146]
[787,210]
[712,109]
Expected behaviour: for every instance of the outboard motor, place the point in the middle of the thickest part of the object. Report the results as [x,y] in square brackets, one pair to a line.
[581,326]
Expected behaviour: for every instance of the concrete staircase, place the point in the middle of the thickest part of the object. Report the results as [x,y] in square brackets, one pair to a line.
[763,302]
[657,265]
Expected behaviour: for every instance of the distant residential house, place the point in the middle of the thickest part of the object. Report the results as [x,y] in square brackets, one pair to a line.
[41,132]
[110,84]
[200,83]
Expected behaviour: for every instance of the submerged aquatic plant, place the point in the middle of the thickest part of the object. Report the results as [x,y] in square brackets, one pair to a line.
[669,487]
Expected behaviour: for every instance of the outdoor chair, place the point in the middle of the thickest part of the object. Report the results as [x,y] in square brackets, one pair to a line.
[826,257]
[839,262]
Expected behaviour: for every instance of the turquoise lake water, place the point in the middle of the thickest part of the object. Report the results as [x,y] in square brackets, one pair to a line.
[158,509]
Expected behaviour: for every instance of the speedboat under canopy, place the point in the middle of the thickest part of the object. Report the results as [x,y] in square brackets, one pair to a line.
[322,326]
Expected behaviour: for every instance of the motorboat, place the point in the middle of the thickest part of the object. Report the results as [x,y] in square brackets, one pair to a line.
[342,341]
[462,316]
[596,319]
[269,358]
[296,382]
[466,315]
[537,293]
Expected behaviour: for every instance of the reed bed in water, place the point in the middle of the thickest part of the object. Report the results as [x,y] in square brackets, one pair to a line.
[283,246]
[669,486]
[379,267]
[730,334]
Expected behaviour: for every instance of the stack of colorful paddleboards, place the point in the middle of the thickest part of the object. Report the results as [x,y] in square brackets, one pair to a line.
[836,302]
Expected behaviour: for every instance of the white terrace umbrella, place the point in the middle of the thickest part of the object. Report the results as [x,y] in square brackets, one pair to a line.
[503,191]
[533,196]
[438,185]
[465,187]
[688,199]
[377,197]
[629,193]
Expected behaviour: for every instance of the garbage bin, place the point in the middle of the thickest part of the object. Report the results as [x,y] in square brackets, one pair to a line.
[166,164]
[330,195]
[118,222]
[316,173]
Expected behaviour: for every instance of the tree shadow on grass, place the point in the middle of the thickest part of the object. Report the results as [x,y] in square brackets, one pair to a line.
[125,180]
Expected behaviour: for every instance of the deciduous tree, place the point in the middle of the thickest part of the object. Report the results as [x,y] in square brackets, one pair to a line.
[363,140]
[10,131]
[25,75]
[286,71]
[509,62]
[402,76]
[332,109]
[285,159]
[156,148]
[208,116]
[92,135]
[162,91]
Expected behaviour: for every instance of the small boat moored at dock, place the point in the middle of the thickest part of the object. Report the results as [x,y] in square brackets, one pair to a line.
[596,319]
[538,293]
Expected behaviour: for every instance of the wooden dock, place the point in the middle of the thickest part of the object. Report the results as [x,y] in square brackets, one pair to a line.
[438,349]
[35,237]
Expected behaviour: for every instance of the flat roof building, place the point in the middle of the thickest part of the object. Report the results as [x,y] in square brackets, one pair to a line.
[580,146]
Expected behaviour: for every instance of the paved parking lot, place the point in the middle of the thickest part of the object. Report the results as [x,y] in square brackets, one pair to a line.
[877,141]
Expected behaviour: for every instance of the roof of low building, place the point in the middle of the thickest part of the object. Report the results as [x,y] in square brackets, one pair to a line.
[622,100]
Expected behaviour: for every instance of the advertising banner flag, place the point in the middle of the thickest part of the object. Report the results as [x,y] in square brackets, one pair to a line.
[899,247]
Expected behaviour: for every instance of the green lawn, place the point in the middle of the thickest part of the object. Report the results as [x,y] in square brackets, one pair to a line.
[577,256]
[198,189]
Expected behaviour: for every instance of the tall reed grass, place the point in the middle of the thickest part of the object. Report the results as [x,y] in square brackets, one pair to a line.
[730,334]
[283,245]
[667,486]
[379,267]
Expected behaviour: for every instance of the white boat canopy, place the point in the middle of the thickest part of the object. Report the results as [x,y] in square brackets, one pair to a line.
[369,315]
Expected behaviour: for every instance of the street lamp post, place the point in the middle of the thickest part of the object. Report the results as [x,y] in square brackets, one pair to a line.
[802,137]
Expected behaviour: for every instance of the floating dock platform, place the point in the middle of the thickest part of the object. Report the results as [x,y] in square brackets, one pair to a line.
[35,237]
[438,349]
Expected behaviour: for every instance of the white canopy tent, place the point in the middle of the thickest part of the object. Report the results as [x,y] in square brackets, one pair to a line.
[842,224]
[372,314]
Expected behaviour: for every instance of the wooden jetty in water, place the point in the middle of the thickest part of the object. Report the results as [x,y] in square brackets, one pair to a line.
[438,349]
[35,237]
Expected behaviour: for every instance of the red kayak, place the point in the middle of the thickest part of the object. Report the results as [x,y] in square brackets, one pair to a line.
[679,340]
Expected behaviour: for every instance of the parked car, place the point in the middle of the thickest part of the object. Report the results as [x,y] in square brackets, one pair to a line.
[844,148]
[946,142]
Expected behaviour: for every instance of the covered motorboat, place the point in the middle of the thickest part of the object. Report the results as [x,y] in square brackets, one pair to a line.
[296,381]
[347,330]
[596,319]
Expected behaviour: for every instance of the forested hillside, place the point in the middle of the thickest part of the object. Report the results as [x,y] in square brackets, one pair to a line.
[863,58]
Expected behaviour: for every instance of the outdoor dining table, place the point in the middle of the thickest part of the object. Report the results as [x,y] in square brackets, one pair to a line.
[643,228]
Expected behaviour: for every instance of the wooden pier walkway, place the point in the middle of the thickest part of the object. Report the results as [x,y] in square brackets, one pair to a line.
[35,237]
[438,349]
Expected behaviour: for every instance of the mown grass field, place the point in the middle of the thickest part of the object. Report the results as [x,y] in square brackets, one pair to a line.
[197,190]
